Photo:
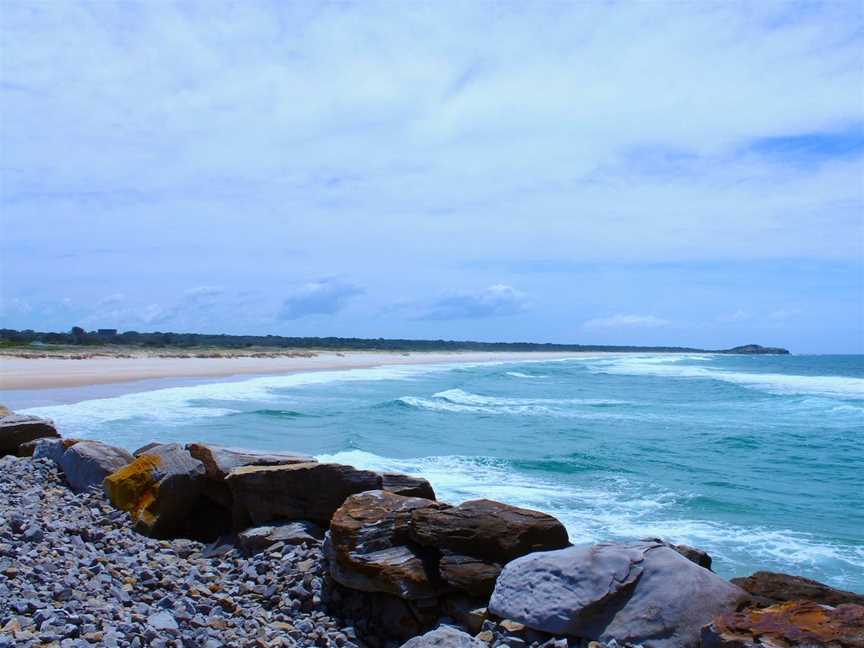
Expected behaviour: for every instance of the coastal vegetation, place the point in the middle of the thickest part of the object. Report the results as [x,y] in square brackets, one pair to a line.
[78,337]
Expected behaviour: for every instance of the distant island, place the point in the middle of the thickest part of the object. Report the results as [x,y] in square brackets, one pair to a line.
[78,337]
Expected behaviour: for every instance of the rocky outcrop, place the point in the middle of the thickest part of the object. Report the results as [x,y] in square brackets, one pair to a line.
[773,587]
[444,637]
[642,593]
[304,491]
[487,529]
[16,429]
[786,625]
[86,464]
[161,490]
[407,485]
[469,574]
[369,547]
[260,538]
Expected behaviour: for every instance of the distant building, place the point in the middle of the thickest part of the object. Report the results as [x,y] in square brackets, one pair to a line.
[106,332]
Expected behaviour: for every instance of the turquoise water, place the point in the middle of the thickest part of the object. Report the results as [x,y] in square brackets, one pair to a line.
[759,460]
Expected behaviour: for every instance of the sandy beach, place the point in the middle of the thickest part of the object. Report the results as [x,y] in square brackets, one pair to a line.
[47,373]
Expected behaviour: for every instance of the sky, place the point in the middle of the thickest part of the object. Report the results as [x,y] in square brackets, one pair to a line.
[682,173]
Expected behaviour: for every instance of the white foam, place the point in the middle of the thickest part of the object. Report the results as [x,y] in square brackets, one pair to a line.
[519,374]
[832,386]
[614,509]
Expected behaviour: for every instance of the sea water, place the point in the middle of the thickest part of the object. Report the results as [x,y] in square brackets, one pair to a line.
[759,460]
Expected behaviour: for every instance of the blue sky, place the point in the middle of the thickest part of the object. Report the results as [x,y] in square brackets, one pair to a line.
[622,173]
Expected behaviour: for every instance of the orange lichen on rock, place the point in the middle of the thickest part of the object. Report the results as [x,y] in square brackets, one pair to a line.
[132,487]
[795,623]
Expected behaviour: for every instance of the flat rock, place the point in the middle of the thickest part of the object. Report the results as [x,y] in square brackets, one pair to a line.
[469,574]
[370,550]
[487,529]
[797,623]
[220,460]
[692,554]
[774,587]
[304,491]
[159,489]
[290,533]
[641,593]
[88,463]
[407,485]
[444,637]
[16,429]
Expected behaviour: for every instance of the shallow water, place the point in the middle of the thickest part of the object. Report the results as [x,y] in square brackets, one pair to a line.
[756,459]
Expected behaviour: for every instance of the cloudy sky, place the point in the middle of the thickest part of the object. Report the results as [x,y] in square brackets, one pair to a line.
[641,172]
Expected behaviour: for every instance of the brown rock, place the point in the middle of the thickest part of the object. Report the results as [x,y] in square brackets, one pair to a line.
[774,587]
[304,491]
[16,429]
[369,548]
[407,485]
[491,530]
[469,574]
[291,533]
[161,489]
[5,411]
[795,623]
[219,460]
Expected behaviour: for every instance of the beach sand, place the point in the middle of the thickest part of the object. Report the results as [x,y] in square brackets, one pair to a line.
[47,373]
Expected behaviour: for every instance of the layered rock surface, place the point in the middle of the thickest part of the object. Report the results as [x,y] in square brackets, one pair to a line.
[16,429]
[774,587]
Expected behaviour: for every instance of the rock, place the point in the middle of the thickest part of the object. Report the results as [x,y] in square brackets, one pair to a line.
[291,533]
[491,530]
[444,637]
[369,548]
[641,593]
[159,489]
[692,554]
[407,485]
[219,460]
[52,449]
[774,587]
[5,411]
[16,429]
[162,621]
[145,448]
[304,491]
[88,463]
[469,574]
[797,623]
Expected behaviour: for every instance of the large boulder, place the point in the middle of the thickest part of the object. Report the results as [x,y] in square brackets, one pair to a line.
[797,623]
[487,529]
[369,547]
[407,485]
[88,463]
[641,593]
[161,490]
[220,460]
[291,533]
[469,574]
[304,491]
[16,429]
[444,637]
[774,587]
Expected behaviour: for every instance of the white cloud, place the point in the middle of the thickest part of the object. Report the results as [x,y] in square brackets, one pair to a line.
[625,321]
[322,297]
[495,301]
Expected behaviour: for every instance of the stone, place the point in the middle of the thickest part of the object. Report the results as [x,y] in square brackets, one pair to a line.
[5,411]
[146,447]
[774,587]
[407,485]
[641,593]
[487,529]
[469,574]
[796,623]
[52,449]
[88,463]
[162,621]
[304,491]
[444,637]
[159,489]
[692,554]
[220,460]
[369,549]
[291,533]
[16,429]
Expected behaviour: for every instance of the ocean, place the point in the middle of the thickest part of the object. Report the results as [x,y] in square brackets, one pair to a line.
[759,460]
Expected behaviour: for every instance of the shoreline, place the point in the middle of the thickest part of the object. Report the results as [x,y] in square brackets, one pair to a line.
[17,373]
